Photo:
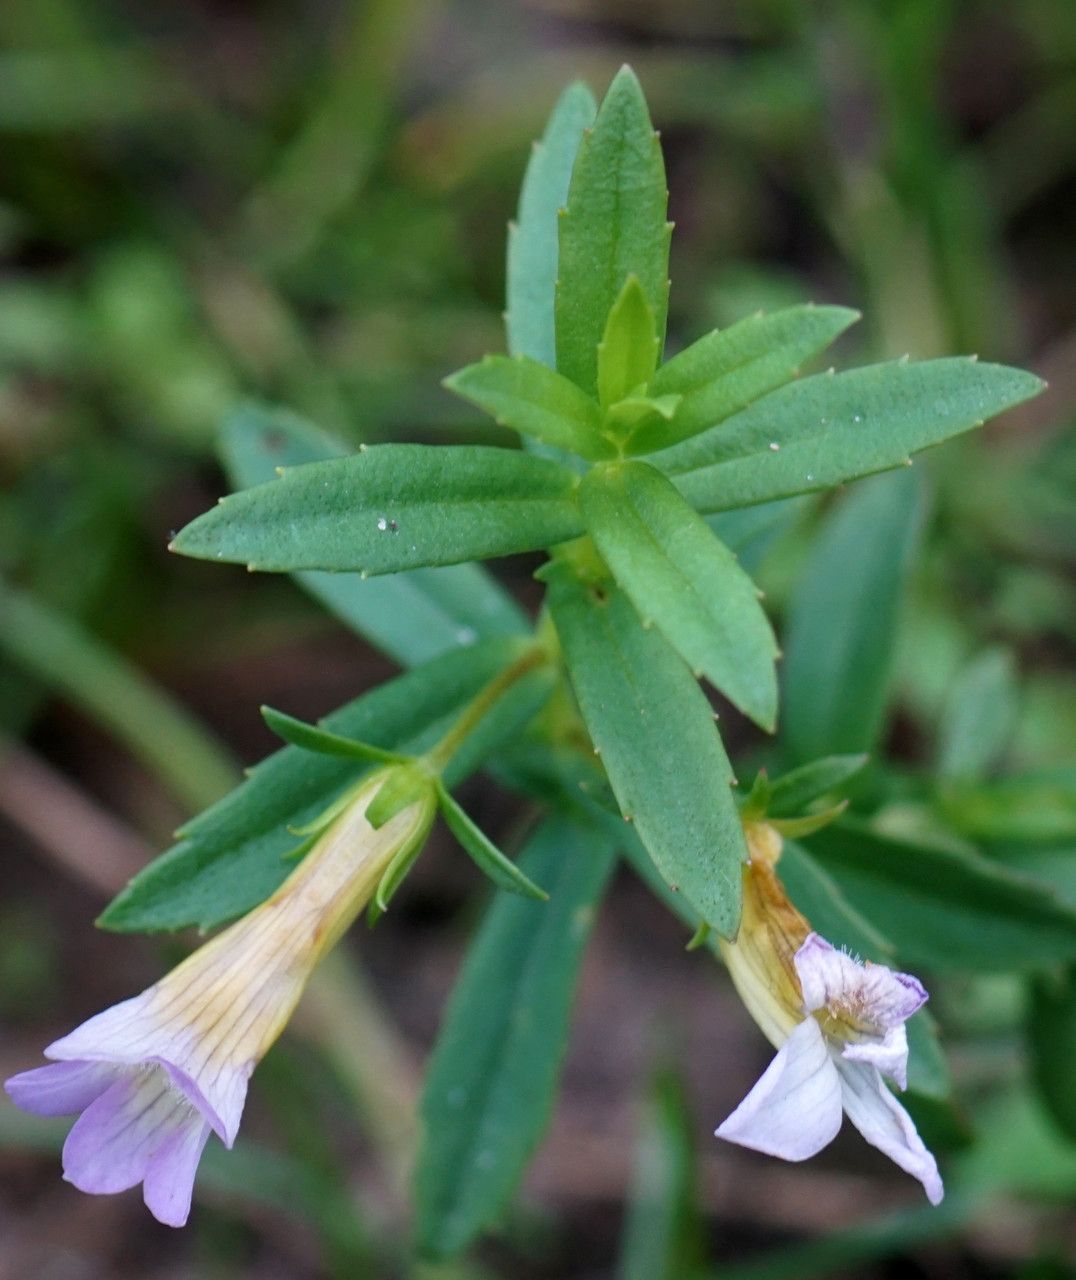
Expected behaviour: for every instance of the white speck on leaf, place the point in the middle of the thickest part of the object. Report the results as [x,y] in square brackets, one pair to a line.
[382,524]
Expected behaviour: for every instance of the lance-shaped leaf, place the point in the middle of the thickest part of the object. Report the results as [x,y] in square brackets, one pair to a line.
[628,351]
[532,238]
[791,793]
[979,716]
[946,910]
[682,579]
[614,226]
[410,616]
[832,428]
[655,732]
[1052,1036]
[534,400]
[233,855]
[726,370]
[662,1237]
[312,738]
[392,507]
[504,873]
[841,631]
[494,1071]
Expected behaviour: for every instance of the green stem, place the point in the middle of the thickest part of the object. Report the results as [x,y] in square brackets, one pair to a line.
[73,662]
[436,759]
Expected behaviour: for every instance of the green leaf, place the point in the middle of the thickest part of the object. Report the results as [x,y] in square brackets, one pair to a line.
[818,897]
[791,793]
[662,1238]
[979,716]
[492,1078]
[232,856]
[410,616]
[628,351]
[310,738]
[655,732]
[530,398]
[837,427]
[945,910]
[1052,1035]
[1036,807]
[484,853]
[614,226]
[725,371]
[682,580]
[532,239]
[391,507]
[840,634]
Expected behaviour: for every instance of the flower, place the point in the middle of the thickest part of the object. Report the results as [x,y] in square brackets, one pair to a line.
[838,1025]
[153,1076]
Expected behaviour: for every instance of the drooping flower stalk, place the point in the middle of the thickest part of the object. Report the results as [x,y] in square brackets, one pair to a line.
[154,1075]
[838,1026]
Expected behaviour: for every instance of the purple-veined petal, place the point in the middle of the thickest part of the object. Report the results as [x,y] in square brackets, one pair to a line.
[795,1108]
[885,1124]
[61,1088]
[870,994]
[889,1054]
[109,1036]
[111,1144]
[169,1180]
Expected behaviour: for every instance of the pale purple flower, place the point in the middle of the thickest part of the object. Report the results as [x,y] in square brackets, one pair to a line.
[849,1034]
[153,1076]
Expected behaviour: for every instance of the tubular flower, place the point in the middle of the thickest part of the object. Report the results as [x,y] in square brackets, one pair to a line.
[154,1075]
[838,1026]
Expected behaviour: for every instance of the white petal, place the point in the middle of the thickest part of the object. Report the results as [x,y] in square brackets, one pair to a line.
[885,1124]
[795,1108]
[889,1055]
[868,993]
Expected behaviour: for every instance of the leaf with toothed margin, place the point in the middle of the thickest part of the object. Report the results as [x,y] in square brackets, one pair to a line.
[392,507]
[726,370]
[831,428]
[532,238]
[676,572]
[655,731]
[410,616]
[234,854]
[614,226]
[528,397]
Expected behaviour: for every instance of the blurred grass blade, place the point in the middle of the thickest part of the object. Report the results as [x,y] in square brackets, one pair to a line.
[103,685]
[840,633]
[1052,1036]
[532,238]
[979,716]
[494,1071]
[943,910]
[661,1237]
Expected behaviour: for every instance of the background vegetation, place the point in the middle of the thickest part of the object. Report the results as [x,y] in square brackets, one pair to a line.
[306,204]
